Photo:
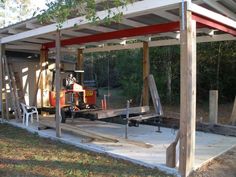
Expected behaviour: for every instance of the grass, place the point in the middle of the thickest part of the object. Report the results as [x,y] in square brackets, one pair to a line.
[26,154]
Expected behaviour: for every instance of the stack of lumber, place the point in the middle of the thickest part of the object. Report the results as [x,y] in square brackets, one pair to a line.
[91,135]
[102,114]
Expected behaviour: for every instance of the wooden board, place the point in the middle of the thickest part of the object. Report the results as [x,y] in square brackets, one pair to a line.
[219,129]
[78,131]
[233,115]
[91,135]
[226,130]
[118,112]
[155,96]
[143,117]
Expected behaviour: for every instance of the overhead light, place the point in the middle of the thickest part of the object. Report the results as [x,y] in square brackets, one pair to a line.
[123,42]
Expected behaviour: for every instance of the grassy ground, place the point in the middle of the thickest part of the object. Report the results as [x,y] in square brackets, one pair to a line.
[25,154]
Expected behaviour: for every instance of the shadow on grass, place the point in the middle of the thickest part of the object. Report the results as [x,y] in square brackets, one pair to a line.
[73,166]
[75,161]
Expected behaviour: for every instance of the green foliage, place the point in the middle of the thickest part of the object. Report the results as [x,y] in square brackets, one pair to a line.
[118,69]
[216,69]
[61,10]
[12,11]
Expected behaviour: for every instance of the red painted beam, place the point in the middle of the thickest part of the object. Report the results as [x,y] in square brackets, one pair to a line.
[213,24]
[139,31]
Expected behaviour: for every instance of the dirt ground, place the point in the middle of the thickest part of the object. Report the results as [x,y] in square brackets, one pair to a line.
[223,166]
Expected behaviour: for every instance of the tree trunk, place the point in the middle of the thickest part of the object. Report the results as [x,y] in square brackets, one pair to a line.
[169,75]
[218,67]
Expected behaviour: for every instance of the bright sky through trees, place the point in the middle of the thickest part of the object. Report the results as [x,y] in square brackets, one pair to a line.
[13,11]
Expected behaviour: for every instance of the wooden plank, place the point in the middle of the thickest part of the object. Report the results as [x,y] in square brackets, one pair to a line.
[15,93]
[226,130]
[146,72]
[233,115]
[14,98]
[118,112]
[219,129]
[58,85]
[143,117]
[93,135]
[19,87]
[188,92]
[79,131]
[80,65]
[155,96]
[171,153]
[213,106]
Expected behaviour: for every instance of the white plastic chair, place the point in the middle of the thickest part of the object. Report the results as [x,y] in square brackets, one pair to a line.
[28,112]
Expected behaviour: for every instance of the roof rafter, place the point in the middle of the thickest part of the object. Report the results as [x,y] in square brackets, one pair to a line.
[220,8]
[137,7]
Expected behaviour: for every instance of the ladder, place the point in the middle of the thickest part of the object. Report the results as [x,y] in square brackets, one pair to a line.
[19,87]
[13,89]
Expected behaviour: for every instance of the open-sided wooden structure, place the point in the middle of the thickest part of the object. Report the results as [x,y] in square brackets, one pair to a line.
[156,23]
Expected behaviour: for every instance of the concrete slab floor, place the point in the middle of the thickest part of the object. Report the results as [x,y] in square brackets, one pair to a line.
[208,145]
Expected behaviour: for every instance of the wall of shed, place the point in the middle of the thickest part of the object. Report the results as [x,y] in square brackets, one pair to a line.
[28,72]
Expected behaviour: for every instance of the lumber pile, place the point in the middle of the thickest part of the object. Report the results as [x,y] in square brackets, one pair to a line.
[78,131]
[102,114]
[92,136]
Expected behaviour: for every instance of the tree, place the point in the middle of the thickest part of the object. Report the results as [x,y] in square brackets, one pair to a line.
[12,11]
[61,10]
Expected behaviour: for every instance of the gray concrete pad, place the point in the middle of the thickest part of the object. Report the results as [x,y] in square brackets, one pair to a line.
[208,145]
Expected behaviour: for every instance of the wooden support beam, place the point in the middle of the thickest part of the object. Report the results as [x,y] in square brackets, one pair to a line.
[146,72]
[6,97]
[233,115]
[1,80]
[58,85]
[213,106]
[188,92]
[43,77]
[80,65]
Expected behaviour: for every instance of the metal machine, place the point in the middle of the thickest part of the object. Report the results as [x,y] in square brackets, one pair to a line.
[73,97]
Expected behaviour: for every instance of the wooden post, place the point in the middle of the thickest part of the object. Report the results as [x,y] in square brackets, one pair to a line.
[80,66]
[1,79]
[43,75]
[188,93]
[146,72]
[213,106]
[233,115]
[6,104]
[58,85]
